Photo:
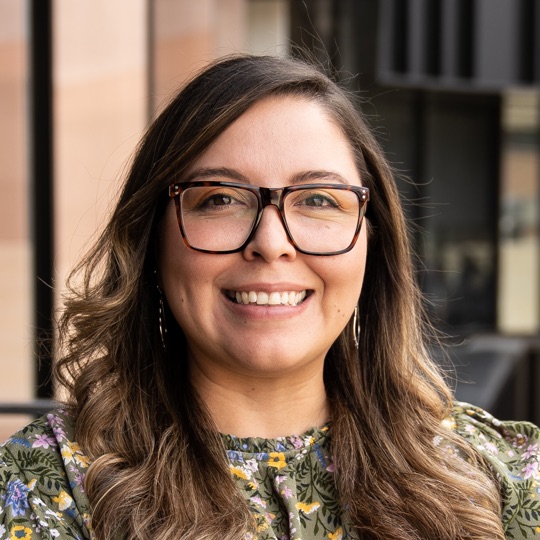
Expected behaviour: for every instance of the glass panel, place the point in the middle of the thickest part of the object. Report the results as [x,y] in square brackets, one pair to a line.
[187,35]
[458,238]
[268,27]
[519,226]
[16,360]
[99,114]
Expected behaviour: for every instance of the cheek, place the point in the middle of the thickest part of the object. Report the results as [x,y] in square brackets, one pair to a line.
[173,264]
[343,280]
[346,272]
[186,277]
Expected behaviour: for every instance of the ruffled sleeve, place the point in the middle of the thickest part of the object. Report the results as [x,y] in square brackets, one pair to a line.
[512,450]
[41,474]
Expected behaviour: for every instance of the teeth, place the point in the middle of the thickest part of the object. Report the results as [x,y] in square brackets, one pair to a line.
[290,298]
[262,298]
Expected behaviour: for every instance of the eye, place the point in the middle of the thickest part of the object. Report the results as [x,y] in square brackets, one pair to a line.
[316,199]
[219,199]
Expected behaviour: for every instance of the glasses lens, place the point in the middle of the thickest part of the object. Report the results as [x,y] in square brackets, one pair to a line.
[217,218]
[322,220]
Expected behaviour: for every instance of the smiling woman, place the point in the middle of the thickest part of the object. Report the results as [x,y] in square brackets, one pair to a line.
[247,356]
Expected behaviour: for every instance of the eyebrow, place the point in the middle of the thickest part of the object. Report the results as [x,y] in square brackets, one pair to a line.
[233,174]
[211,172]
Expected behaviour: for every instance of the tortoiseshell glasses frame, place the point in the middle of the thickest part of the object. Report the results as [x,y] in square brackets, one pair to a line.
[316,194]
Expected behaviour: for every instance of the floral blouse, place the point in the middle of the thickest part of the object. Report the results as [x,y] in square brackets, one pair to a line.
[287,482]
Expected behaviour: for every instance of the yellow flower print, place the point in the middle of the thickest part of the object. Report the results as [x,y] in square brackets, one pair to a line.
[67,453]
[308,508]
[75,448]
[449,423]
[63,500]
[337,535]
[520,440]
[82,460]
[20,531]
[31,484]
[263,524]
[239,473]
[87,520]
[277,460]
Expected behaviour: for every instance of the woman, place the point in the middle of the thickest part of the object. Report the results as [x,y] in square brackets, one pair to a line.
[246,357]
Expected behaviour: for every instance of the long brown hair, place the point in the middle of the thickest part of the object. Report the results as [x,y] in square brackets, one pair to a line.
[159,467]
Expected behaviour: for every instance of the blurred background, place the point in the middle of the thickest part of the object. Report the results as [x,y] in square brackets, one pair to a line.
[452,88]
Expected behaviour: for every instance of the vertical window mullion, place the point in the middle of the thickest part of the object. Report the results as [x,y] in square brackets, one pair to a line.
[41,182]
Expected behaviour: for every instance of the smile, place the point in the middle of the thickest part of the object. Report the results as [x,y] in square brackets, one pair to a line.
[275,298]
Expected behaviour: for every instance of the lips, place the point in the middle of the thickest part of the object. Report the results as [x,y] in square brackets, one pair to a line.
[263,298]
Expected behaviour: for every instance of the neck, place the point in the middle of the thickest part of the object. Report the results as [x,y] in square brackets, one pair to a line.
[263,407]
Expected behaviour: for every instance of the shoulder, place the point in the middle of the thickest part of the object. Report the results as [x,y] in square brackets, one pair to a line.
[507,440]
[512,451]
[41,482]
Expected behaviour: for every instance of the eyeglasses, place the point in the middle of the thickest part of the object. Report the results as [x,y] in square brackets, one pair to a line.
[222,217]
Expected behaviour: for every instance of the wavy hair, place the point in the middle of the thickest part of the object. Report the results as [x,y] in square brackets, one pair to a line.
[152,442]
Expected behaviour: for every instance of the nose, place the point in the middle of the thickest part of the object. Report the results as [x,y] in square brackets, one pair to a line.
[270,240]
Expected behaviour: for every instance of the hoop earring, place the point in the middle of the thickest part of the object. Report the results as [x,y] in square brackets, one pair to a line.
[161,319]
[356,328]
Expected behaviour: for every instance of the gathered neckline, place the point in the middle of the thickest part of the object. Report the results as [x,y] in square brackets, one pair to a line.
[293,443]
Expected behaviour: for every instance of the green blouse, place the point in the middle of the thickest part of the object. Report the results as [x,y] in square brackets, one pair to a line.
[287,482]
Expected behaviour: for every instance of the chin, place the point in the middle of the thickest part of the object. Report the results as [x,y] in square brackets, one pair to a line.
[281,363]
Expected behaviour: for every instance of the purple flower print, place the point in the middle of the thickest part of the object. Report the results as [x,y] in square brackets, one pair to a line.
[532,450]
[287,492]
[531,469]
[78,478]
[55,421]
[297,442]
[59,433]
[44,441]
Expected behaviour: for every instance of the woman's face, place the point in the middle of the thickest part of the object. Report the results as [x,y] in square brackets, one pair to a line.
[274,143]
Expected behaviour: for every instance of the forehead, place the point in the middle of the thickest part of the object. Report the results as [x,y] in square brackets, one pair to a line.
[278,137]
